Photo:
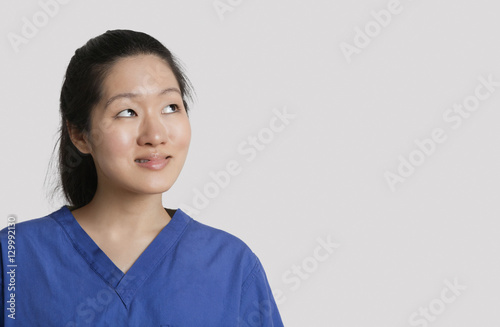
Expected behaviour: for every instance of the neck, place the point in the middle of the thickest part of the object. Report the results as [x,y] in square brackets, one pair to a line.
[125,212]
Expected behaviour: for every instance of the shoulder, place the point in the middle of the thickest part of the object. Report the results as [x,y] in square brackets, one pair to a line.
[218,242]
[32,227]
[205,233]
[208,232]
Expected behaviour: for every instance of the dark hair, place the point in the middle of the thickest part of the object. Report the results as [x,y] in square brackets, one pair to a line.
[82,90]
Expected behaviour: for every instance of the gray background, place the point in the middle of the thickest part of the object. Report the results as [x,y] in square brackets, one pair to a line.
[323,176]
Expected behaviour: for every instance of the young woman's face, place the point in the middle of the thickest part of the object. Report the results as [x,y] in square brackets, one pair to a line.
[141,114]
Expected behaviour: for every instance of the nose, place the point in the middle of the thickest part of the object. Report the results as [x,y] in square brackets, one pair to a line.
[152,131]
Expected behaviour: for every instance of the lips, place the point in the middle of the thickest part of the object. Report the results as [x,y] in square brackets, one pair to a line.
[152,156]
[155,164]
[141,160]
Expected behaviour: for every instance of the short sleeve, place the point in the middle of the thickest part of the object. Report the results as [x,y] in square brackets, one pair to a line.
[257,306]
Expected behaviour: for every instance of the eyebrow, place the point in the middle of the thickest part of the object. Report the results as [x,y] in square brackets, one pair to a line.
[129,95]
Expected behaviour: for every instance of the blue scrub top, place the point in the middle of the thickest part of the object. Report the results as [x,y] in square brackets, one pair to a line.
[190,275]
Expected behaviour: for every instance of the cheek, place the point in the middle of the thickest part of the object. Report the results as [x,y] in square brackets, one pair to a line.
[181,133]
[115,143]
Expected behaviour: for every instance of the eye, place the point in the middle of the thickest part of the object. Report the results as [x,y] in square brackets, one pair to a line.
[120,115]
[173,107]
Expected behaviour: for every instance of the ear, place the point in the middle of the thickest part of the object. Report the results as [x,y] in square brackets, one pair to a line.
[79,139]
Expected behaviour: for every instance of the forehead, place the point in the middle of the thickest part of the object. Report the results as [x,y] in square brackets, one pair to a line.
[141,74]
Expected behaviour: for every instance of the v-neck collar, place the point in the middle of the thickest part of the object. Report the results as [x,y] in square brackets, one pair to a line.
[127,284]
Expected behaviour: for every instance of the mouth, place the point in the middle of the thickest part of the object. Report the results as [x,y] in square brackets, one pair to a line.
[148,160]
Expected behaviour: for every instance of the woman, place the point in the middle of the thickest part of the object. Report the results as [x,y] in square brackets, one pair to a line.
[115,256]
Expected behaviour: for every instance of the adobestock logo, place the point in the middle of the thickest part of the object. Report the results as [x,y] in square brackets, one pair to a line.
[91,307]
[427,146]
[249,149]
[298,273]
[429,313]
[30,27]
[372,29]
[223,6]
